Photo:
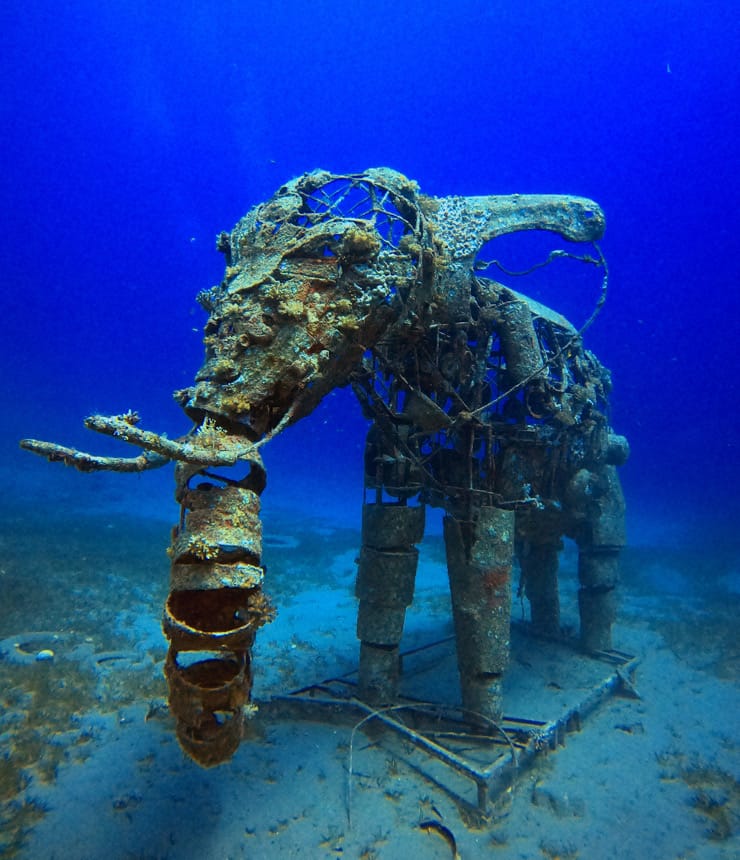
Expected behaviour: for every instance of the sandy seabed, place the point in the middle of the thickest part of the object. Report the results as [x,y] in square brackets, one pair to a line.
[90,766]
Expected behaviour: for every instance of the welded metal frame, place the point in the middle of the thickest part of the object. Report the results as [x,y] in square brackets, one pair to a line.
[512,744]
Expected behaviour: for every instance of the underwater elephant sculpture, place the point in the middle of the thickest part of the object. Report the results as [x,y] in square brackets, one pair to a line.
[481,401]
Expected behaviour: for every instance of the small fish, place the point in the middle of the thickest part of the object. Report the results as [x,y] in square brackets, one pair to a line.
[431,825]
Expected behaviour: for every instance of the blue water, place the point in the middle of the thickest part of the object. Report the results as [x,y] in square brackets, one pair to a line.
[133,133]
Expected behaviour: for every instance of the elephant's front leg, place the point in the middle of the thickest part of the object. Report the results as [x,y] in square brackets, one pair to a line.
[479,561]
[539,561]
[385,587]
[600,540]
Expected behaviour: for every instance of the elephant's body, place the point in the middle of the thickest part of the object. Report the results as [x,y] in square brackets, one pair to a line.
[482,402]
